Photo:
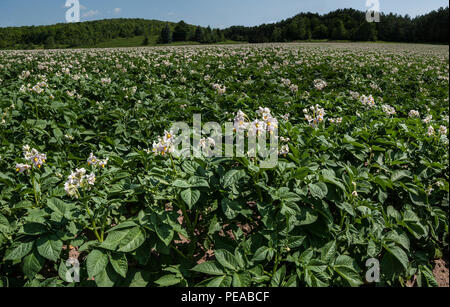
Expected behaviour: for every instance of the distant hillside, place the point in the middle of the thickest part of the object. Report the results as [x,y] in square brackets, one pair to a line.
[108,32]
[345,24]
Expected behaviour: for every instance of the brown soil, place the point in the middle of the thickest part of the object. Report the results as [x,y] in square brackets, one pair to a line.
[441,272]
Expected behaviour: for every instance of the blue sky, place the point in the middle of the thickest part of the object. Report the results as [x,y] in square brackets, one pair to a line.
[216,13]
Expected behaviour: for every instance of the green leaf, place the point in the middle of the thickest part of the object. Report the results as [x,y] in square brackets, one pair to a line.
[168,280]
[243,279]
[119,263]
[49,247]
[32,264]
[278,277]
[346,267]
[226,259]
[106,278]
[208,267]
[400,174]
[306,216]
[33,229]
[399,254]
[230,208]
[58,206]
[6,179]
[399,238]
[165,233]
[18,250]
[330,177]
[316,278]
[190,197]
[328,251]
[134,238]
[113,239]
[4,224]
[181,184]
[232,177]
[220,281]
[318,190]
[260,254]
[96,262]
[287,196]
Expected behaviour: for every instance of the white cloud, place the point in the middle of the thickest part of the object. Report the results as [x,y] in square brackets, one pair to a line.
[117,10]
[83,7]
[90,13]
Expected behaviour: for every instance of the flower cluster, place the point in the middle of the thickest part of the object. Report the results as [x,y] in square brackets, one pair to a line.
[354,95]
[414,113]
[105,81]
[220,89]
[78,179]
[31,155]
[284,150]
[368,101]
[443,130]
[240,123]
[207,143]
[317,116]
[336,121]
[293,88]
[389,110]
[24,75]
[38,88]
[430,131]
[428,119]
[92,160]
[266,123]
[22,167]
[319,84]
[165,144]
[286,82]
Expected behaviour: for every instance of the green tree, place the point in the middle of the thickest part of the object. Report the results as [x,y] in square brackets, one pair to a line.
[320,32]
[180,32]
[49,43]
[166,35]
[199,36]
[367,32]
[338,31]
[293,31]
[277,34]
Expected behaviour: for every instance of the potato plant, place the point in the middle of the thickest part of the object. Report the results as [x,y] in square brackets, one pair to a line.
[362,173]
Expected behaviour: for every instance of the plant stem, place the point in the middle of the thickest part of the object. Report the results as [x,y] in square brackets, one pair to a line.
[178,251]
[173,164]
[35,193]
[100,239]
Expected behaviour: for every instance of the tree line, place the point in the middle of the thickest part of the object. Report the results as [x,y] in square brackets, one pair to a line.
[343,24]
[349,24]
[184,32]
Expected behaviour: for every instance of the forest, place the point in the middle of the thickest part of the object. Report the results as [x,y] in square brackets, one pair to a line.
[343,24]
